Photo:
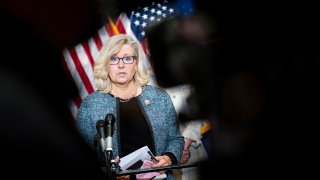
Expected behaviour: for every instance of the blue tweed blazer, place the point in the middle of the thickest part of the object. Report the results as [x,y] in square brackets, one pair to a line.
[157,107]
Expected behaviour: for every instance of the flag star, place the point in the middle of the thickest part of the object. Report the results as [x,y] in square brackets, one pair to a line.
[152,10]
[145,16]
[137,23]
[171,10]
[152,18]
[144,24]
[164,8]
[137,14]
[143,33]
[159,5]
[158,19]
[159,12]
[146,9]
[164,15]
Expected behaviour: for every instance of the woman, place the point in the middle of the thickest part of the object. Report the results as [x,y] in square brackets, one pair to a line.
[145,114]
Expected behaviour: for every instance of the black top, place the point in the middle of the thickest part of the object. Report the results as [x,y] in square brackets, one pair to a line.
[135,131]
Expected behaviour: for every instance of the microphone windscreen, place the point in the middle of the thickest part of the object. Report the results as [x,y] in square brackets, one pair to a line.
[110,118]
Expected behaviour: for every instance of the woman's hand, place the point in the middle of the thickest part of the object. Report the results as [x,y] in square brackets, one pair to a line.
[117,161]
[162,161]
[123,177]
[186,152]
[185,156]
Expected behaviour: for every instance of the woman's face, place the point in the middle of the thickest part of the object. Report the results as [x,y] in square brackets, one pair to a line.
[122,73]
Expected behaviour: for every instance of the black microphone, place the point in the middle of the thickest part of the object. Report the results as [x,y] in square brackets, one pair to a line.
[100,125]
[109,121]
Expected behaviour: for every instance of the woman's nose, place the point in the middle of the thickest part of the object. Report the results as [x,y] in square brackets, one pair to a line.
[121,63]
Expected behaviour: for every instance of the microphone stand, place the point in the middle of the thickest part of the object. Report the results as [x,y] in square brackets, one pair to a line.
[112,167]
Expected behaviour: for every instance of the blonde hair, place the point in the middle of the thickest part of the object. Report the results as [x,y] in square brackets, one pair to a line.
[111,47]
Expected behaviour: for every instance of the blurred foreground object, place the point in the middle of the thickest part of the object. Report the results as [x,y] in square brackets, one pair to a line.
[263,94]
[38,138]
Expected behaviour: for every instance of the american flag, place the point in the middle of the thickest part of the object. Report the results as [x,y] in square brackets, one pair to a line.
[79,60]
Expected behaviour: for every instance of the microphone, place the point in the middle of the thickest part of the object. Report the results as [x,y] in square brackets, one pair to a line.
[100,125]
[109,121]
[112,167]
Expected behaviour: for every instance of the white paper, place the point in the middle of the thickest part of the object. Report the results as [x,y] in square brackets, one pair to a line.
[140,154]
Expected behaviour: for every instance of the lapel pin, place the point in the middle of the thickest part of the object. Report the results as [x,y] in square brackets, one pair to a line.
[147,102]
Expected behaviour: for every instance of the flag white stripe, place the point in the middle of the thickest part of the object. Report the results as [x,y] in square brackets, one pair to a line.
[93,49]
[75,75]
[73,109]
[85,62]
[104,36]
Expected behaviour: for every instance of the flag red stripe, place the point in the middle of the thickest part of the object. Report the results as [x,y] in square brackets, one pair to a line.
[120,26]
[65,66]
[72,119]
[144,46]
[98,41]
[109,30]
[77,100]
[81,71]
[145,49]
[86,48]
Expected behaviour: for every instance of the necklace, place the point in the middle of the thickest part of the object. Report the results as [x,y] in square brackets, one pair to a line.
[128,99]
